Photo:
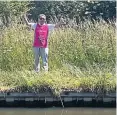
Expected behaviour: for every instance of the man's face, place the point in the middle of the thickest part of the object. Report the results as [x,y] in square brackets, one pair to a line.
[41,20]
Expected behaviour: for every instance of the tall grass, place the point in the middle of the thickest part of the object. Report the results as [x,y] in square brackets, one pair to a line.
[79,57]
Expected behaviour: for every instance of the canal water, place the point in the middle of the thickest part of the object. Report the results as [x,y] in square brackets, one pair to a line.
[57,111]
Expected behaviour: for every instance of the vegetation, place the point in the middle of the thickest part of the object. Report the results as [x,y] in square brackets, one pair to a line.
[80,58]
[78,10]
[81,55]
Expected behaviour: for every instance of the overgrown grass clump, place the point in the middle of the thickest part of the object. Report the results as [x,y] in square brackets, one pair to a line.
[81,59]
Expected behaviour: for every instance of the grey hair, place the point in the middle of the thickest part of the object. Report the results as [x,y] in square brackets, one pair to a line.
[42,15]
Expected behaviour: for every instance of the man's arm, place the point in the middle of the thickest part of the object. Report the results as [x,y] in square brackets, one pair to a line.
[59,24]
[26,20]
[31,25]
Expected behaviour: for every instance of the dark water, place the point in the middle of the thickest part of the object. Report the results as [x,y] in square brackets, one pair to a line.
[58,111]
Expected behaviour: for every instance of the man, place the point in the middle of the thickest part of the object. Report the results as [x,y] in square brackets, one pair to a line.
[40,44]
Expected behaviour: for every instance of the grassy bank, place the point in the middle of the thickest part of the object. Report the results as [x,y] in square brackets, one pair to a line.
[82,59]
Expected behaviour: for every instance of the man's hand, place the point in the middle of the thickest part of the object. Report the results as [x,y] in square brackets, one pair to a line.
[60,23]
[26,20]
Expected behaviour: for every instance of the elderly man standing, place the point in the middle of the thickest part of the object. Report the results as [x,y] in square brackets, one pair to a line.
[40,44]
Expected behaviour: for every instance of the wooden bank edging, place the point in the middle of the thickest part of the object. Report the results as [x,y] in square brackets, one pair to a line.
[9,97]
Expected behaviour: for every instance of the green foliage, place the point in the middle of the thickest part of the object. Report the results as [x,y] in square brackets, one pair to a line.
[12,10]
[78,10]
[56,81]
[81,59]
[16,49]
[91,44]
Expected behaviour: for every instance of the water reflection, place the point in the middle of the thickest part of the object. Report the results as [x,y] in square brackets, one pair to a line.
[58,111]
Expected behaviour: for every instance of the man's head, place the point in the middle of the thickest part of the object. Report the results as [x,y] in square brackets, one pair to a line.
[41,19]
